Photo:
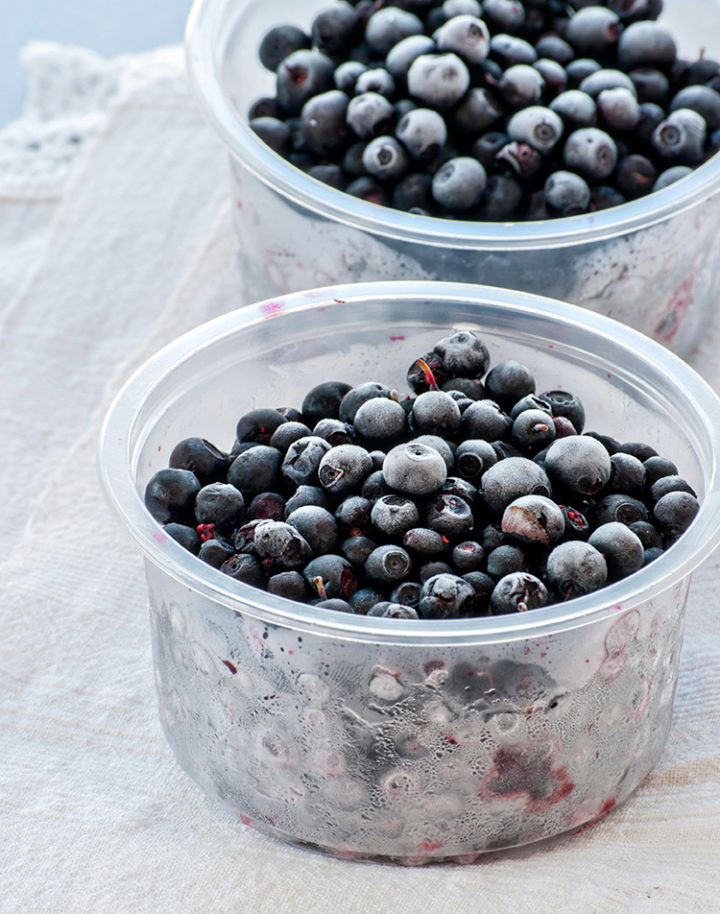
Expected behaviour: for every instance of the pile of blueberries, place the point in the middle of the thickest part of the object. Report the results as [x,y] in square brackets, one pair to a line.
[473,496]
[504,110]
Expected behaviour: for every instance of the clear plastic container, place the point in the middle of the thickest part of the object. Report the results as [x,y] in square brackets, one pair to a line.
[421,740]
[653,263]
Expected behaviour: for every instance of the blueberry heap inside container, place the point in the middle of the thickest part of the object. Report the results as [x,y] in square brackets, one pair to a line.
[473,495]
[496,111]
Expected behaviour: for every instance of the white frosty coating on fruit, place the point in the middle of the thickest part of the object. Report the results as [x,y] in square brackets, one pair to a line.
[582,556]
[414,468]
[619,107]
[618,540]
[510,478]
[576,106]
[401,55]
[467,35]
[534,518]
[566,457]
[536,125]
[440,80]
[389,25]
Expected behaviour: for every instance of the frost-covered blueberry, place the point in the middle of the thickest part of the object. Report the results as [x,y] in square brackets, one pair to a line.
[386,609]
[188,537]
[343,468]
[621,548]
[323,121]
[245,568]
[680,137]
[452,8]
[215,551]
[438,80]
[651,85]
[323,401]
[346,75]
[287,433]
[579,69]
[533,429]
[670,483]
[258,425]
[376,80]
[306,495]
[536,125]
[449,514]
[521,157]
[424,541]
[617,507]
[334,432]
[553,74]
[445,596]
[356,396]
[510,478]
[590,151]
[363,600]
[599,80]
[575,568]
[473,456]
[464,353]
[393,515]
[485,419]
[703,99]
[521,85]
[534,519]
[389,25]
[509,50]
[402,54]
[671,175]
[467,36]
[380,418]
[301,461]
[435,413]
[635,175]
[272,131]
[220,504]
[518,591]
[288,584]
[384,158]
[333,30]
[300,76]
[369,114]
[459,183]
[201,457]
[170,495]
[335,574]
[646,44]
[422,132]
[628,474]
[593,29]
[407,593]
[317,525]
[508,381]
[675,512]
[256,469]
[414,468]
[618,108]
[468,556]
[578,463]
[506,559]
[279,546]
[388,564]
[576,108]
[356,549]
[567,193]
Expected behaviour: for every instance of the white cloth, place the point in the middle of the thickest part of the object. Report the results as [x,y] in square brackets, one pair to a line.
[111,244]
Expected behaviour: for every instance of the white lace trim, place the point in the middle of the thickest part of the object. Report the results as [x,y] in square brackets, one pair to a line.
[71,91]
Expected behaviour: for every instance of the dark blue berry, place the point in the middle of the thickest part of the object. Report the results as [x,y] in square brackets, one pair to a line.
[445,596]
[279,42]
[300,76]
[245,568]
[518,591]
[201,457]
[188,537]
[170,495]
[388,564]
[620,547]
[575,568]
[256,469]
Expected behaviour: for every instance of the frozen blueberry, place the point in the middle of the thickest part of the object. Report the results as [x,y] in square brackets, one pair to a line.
[306,495]
[388,564]
[258,425]
[459,183]
[567,193]
[334,432]
[279,42]
[435,413]
[627,473]
[472,457]
[384,158]
[508,381]
[445,596]
[510,478]
[463,353]
[522,159]
[533,429]
[590,151]
[509,50]
[593,29]
[245,568]
[599,80]
[407,593]
[220,504]
[335,603]
[553,74]
[502,198]
[266,506]
[617,507]
[317,525]
[620,547]
[465,35]
[575,568]
[680,137]
[272,131]
[302,460]
[424,541]
[478,110]
[369,115]
[346,75]
[452,8]
[279,546]
[647,534]
[356,396]
[640,449]
[215,551]
[288,584]
[356,549]
[170,495]
[438,80]
[534,519]
[604,196]
[467,556]
[576,524]
[378,80]
[656,467]
[323,121]
[402,54]
[578,463]
[380,418]
[285,434]
[422,132]
[389,25]
[505,559]
[536,125]
[188,537]
[333,29]
[521,85]
[414,468]
[646,44]
[323,401]
[579,69]
[670,483]
[364,599]
[332,574]
[450,515]
[301,75]
[651,85]
[671,175]
[393,515]
[201,457]
[518,592]
[375,486]
[486,420]
[635,175]
[455,485]
[343,468]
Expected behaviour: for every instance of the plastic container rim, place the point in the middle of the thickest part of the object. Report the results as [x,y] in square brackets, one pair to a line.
[120,427]
[203,25]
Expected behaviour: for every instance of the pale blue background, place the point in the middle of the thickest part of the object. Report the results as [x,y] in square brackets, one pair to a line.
[107,26]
